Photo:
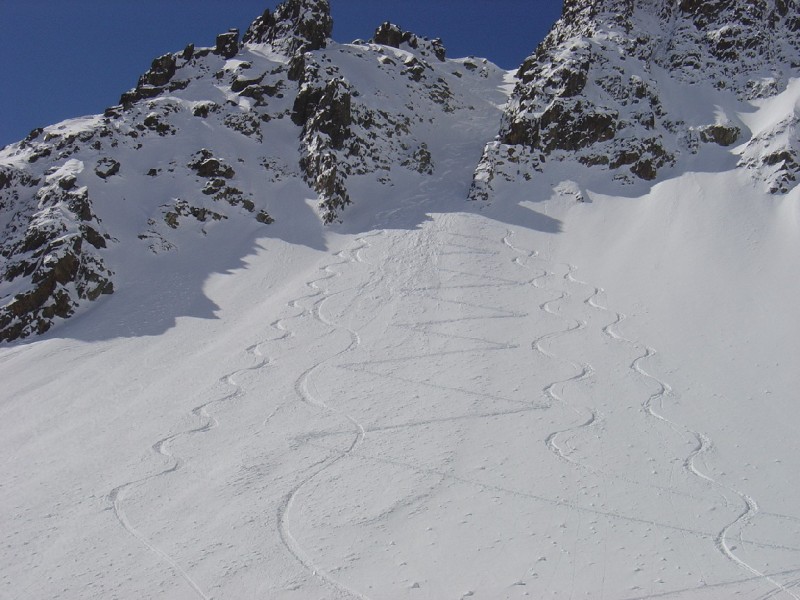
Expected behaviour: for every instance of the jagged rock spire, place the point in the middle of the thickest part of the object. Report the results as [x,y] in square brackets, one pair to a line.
[389,34]
[296,26]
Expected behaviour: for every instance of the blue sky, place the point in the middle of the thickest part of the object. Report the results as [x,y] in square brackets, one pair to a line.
[67,58]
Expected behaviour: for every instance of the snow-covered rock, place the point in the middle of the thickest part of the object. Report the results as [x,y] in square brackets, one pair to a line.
[638,87]
[297,26]
[215,134]
[357,125]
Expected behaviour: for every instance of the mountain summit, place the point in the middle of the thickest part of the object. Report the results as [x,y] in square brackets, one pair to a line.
[296,26]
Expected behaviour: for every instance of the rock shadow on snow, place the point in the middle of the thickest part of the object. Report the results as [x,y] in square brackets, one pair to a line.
[154,291]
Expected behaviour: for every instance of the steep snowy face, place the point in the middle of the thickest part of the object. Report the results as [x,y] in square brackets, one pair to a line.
[237,132]
[634,86]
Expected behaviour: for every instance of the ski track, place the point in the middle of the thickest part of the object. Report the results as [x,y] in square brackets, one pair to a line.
[703,443]
[117,496]
[304,394]
[553,392]
[587,416]
[590,417]
[161,447]
[703,446]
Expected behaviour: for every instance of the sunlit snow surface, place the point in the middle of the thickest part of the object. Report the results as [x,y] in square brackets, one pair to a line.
[535,397]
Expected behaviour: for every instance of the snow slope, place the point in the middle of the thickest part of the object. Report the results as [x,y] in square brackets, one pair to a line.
[475,403]
[578,388]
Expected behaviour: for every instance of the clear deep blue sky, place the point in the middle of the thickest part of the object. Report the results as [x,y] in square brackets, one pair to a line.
[67,58]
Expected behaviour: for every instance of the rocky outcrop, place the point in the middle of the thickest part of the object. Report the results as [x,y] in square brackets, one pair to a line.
[773,155]
[227,44]
[391,35]
[750,47]
[106,167]
[296,26]
[592,89]
[159,79]
[50,254]
[324,110]
[349,132]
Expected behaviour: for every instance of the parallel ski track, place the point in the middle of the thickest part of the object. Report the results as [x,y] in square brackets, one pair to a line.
[320,295]
[587,416]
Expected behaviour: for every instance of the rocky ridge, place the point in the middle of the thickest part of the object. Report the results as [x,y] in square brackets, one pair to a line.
[212,134]
[596,88]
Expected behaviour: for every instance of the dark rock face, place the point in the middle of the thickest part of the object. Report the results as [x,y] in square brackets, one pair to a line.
[228,44]
[345,134]
[158,79]
[162,70]
[297,26]
[325,115]
[391,35]
[55,257]
[720,134]
[588,91]
[325,110]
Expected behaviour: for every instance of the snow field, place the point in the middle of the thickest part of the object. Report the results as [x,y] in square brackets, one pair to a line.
[535,397]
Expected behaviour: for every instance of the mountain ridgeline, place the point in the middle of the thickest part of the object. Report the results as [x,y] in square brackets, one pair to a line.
[635,89]
[639,87]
